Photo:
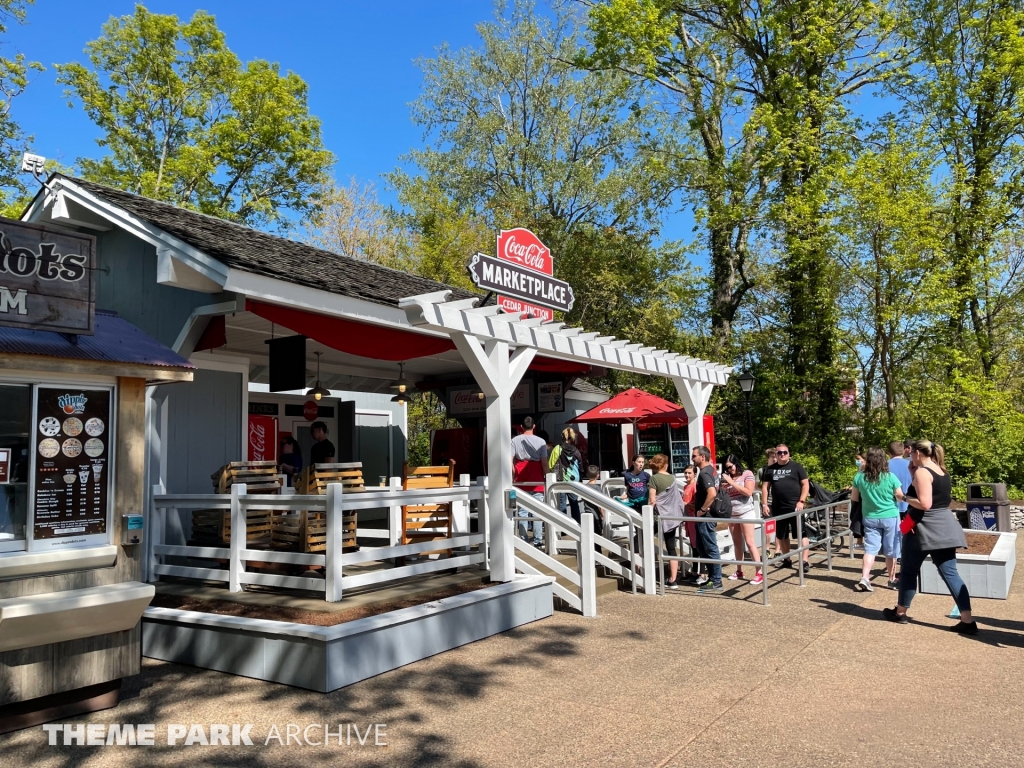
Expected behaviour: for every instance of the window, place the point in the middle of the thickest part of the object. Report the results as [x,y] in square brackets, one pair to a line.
[15,434]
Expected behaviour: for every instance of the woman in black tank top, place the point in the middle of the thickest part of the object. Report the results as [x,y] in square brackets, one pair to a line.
[930,528]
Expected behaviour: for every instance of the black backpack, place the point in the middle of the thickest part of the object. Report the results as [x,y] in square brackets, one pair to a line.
[721,507]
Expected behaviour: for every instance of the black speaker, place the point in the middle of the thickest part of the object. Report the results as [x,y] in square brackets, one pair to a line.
[287,363]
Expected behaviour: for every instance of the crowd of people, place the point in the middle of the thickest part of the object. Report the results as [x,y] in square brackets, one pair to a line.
[902,502]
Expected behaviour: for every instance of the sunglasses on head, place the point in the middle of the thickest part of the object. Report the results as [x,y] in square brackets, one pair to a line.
[782,453]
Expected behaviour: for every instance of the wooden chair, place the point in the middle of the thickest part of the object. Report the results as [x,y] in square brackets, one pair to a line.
[258,476]
[212,527]
[307,531]
[427,522]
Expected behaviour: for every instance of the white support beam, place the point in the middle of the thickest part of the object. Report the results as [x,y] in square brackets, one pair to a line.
[694,395]
[192,331]
[497,373]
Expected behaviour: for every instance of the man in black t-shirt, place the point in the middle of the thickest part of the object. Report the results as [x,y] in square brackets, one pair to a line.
[322,451]
[703,496]
[788,484]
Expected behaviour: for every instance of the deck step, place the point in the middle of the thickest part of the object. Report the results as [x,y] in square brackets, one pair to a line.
[604,585]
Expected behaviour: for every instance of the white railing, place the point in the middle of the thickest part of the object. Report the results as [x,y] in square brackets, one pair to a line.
[583,595]
[637,568]
[468,548]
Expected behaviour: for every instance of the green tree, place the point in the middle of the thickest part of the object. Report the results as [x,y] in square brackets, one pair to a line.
[653,41]
[517,136]
[184,121]
[967,90]
[14,78]
[889,240]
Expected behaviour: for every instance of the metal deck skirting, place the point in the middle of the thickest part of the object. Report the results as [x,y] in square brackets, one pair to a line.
[327,658]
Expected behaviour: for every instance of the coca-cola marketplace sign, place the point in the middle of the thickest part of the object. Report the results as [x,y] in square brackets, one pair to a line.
[509,279]
[520,246]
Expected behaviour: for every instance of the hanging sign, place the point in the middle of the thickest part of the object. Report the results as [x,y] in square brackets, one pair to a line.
[72,478]
[521,275]
[47,278]
[522,287]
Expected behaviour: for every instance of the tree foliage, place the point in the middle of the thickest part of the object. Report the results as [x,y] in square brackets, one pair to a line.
[15,72]
[184,121]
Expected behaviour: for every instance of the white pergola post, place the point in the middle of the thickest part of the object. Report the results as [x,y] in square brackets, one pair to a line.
[497,373]
[694,395]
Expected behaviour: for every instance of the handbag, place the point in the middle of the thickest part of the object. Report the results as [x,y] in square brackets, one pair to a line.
[856,519]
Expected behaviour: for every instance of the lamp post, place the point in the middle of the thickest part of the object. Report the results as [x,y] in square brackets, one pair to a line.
[746,380]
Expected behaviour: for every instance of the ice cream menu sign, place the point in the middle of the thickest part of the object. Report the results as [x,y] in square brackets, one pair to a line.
[73,441]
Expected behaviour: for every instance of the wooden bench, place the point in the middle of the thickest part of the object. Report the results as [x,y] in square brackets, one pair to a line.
[427,522]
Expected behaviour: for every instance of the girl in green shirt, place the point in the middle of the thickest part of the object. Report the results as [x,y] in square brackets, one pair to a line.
[878,490]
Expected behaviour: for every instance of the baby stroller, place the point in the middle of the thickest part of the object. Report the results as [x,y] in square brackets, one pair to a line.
[839,516]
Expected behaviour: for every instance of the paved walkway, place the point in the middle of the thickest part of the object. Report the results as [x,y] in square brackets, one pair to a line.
[816,679]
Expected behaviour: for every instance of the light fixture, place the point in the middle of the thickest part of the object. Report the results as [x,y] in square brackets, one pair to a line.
[400,398]
[318,391]
[403,383]
[746,380]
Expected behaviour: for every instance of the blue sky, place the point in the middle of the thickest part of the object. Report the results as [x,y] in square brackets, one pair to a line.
[356,55]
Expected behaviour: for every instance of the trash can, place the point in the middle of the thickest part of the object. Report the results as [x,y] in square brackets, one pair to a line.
[988,509]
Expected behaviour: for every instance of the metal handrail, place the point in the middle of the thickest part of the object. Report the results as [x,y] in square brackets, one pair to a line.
[602,501]
[761,522]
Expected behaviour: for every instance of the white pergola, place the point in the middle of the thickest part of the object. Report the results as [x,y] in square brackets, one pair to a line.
[498,347]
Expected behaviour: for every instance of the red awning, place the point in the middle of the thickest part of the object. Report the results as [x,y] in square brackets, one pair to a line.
[634,406]
[350,336]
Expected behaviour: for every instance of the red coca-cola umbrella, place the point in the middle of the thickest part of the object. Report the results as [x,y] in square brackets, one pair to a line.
[634,406]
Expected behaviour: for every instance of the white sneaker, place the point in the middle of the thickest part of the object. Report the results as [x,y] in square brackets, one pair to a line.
[864,586]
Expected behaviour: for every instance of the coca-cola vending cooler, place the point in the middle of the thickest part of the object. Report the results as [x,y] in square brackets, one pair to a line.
[262,438]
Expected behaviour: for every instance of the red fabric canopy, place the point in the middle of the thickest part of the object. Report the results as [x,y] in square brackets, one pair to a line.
[551,365]
[355,338]
[634,406]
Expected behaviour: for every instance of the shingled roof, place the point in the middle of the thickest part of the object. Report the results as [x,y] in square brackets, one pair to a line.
[261,253]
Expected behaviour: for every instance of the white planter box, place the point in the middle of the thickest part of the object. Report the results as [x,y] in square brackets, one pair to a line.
[984,575]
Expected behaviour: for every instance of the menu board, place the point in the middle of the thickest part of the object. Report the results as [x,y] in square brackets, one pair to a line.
[72,443]
[549,397]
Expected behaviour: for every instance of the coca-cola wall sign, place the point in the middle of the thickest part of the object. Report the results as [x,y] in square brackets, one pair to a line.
[262,438]
[47,278]
[465,401]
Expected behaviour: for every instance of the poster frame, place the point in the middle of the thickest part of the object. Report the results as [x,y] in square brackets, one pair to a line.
[90,540]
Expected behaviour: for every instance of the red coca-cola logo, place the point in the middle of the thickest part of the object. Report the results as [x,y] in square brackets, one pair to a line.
[617,410]
[466,398]
[258,440]
[310,410]
[521,246]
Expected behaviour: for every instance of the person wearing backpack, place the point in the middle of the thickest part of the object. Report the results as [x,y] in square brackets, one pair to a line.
[566,462]
[787,482]
[708,503]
